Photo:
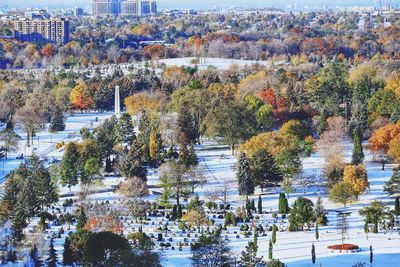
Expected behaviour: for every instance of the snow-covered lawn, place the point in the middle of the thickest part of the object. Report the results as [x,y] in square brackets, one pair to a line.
[293,248]
[219,63]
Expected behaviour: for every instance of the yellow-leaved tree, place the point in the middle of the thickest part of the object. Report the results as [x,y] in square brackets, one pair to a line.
[357,176]
[151,103]
[393,84]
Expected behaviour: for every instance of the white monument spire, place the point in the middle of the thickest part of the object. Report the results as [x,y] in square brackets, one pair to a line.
[117,105]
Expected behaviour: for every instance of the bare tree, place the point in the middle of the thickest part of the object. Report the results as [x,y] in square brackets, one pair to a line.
[10,141]
[31,120]
[197,177]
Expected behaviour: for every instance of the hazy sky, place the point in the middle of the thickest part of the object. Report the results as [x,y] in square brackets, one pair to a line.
[191,3]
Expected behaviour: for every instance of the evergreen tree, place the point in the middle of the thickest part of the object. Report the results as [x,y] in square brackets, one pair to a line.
[249,257]
[187,156]
[366,229]
[106,137]
[395,116]
[244,176]
[392,186]
[283,205]
[371,255]
[187,124]
[68,256]
[316,231]
[11,190]
[313,253]
[174,213]
[52,258]
[270,248]
[125,129]
[255,239]
[69,165]
[108,165]
[179,212]
[265,170]
[133,164]
[259,204]
[253,205]
[82,219]
[57,121]
[358,154]
[27,199]
[323,125]
[397,206]
[301,213]
[320,212]
[45,188]
[34,257]
[273,238]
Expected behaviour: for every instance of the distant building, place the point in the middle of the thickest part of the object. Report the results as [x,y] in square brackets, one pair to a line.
[130,8]
[77,11]
[124,7]
[40,30]
[106,7]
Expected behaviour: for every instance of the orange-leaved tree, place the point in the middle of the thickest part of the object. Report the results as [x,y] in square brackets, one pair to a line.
[80,97]
[380,141]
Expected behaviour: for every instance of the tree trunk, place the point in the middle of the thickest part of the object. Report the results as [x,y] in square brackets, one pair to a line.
[233,149]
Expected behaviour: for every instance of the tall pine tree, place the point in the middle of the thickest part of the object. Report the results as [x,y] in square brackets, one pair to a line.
[358,154]
[313,253]
[57,121]
[249,257]
[133,164]
[392,186]
[69,165]
[52,258]
[34,258]
[68,256]
[45,188]
[244,176]
[265,170]
[125,129]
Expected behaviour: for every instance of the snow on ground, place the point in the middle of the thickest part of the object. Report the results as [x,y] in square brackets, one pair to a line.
[44,143]
[294,248]
[291,248]
[219,63]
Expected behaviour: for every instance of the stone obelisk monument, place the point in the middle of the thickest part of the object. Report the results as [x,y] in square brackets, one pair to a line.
[117,104]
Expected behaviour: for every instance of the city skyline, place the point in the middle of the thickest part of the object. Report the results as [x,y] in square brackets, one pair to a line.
[206,4]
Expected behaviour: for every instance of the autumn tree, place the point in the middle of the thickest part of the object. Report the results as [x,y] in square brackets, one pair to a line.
[151,103]
[380,141]
[357,176]
[394,148]
[80,97]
